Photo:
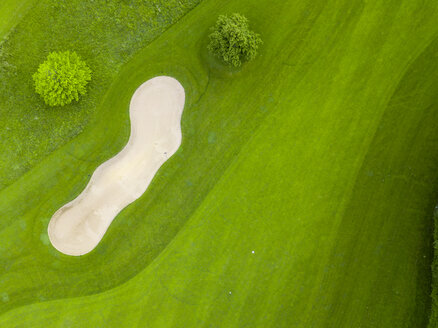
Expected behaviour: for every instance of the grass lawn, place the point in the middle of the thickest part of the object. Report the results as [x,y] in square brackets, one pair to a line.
[11,12]
[302,194]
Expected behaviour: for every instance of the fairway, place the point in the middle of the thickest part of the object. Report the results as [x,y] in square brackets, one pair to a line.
[302,193]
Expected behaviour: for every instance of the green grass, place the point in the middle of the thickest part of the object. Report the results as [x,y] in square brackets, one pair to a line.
[434,313]
[320,156]
[106,33]
[11,11]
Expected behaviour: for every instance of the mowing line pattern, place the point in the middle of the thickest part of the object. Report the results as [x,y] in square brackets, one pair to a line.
[301,195]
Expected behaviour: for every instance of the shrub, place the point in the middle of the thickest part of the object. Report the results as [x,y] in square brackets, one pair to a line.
[232,40]
[62,78]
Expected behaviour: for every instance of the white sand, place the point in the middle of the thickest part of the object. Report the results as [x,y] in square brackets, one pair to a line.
[155,112]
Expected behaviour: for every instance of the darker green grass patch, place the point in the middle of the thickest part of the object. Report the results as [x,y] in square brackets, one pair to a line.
[105,34]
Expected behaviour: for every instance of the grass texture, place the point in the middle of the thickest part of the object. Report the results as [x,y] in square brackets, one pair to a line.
[11,12]
[301,194]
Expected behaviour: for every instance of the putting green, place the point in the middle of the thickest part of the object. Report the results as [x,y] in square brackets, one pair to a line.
[301,195]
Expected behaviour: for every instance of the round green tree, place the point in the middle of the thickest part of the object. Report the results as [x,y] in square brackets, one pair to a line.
[232,40]
[62,78]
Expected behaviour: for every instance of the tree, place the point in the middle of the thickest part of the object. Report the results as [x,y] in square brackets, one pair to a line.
[232,40]
[62,78]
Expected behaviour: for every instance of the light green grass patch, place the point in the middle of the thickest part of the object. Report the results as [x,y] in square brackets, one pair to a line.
[11,12]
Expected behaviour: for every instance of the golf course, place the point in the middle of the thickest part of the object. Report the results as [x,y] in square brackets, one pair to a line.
[294,187]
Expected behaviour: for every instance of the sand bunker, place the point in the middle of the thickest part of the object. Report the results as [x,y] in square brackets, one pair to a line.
[155,112]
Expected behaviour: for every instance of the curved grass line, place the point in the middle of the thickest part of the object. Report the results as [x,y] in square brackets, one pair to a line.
[89,298]
[145,294]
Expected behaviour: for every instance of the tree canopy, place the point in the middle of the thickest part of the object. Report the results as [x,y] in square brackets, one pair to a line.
[232,40]
[62,78]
